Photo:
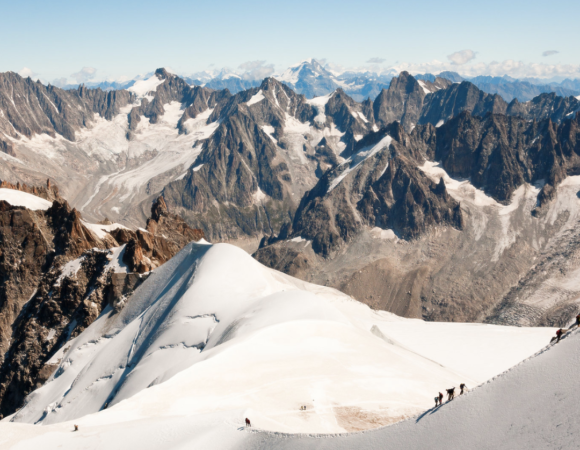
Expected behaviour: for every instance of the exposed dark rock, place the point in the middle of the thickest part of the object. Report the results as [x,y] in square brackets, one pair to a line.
[30,108]
[386,190]
[40,307]
[48,192]
[445,104]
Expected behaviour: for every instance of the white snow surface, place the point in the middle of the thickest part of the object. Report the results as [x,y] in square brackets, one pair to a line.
[70,269]
[19,198]
[359,157]
[143,87]
[102,230]
[424,87]
[256,98]
[172,150]
[319,103]
[213,336]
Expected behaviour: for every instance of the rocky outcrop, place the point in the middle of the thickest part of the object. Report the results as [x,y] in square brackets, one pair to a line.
[545,106]
[194,100]
[29,108]
[379,186]
[165,235]
[48,192]
[447,103]
[57,276]
[404,99]
[270,147]
[499,153]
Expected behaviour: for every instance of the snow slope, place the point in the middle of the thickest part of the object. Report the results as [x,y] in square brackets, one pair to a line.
[19,198]
[532,406]
[213,333]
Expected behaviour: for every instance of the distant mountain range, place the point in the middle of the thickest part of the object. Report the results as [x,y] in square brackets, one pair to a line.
[311,78]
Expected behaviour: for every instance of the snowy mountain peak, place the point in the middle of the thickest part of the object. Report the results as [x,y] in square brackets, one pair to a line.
[307,68]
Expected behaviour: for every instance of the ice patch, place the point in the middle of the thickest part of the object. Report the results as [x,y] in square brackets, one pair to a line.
[424,87]
[102,230]
[19,198]
[142,87]
[70,269]
[256,98]
[270,130]
[115,258]
[379,233]
[362,116]
[357,159]
[259,196]
[319,103]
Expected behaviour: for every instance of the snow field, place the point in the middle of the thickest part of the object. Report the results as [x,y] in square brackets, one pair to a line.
[19,198]
[213,333]
[143,87]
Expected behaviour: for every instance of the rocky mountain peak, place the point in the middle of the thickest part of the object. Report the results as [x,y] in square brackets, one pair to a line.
[49,192]
[163,74]
[159,208]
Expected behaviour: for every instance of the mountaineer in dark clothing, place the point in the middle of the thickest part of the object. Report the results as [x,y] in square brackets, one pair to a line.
[462,387]
[450,394]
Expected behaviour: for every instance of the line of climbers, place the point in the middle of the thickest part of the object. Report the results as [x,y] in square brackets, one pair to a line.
[561,331]
[450,394]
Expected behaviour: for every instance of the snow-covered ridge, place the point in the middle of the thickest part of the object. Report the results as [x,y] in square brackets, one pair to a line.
[214,333]
[19,198]
[143,87]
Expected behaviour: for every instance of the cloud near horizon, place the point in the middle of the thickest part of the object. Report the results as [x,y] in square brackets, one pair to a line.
[550,52]
[515,69]
[461,57]
[84,75]
[25,72]
[376,60]
[59,82]
[256,69]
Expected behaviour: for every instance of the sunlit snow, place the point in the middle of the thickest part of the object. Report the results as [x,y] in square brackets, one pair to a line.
[19,198]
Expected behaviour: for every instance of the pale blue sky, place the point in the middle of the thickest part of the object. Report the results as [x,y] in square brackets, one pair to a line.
[58,38]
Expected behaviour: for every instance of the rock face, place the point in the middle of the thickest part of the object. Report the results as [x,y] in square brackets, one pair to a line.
[378,186]
[271,146]
[48,192]
[269,164]
[165,235]
[57,276]
[545,106]
[447,103]
[499,153]
[400,232]
[404,100]
[29,108]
